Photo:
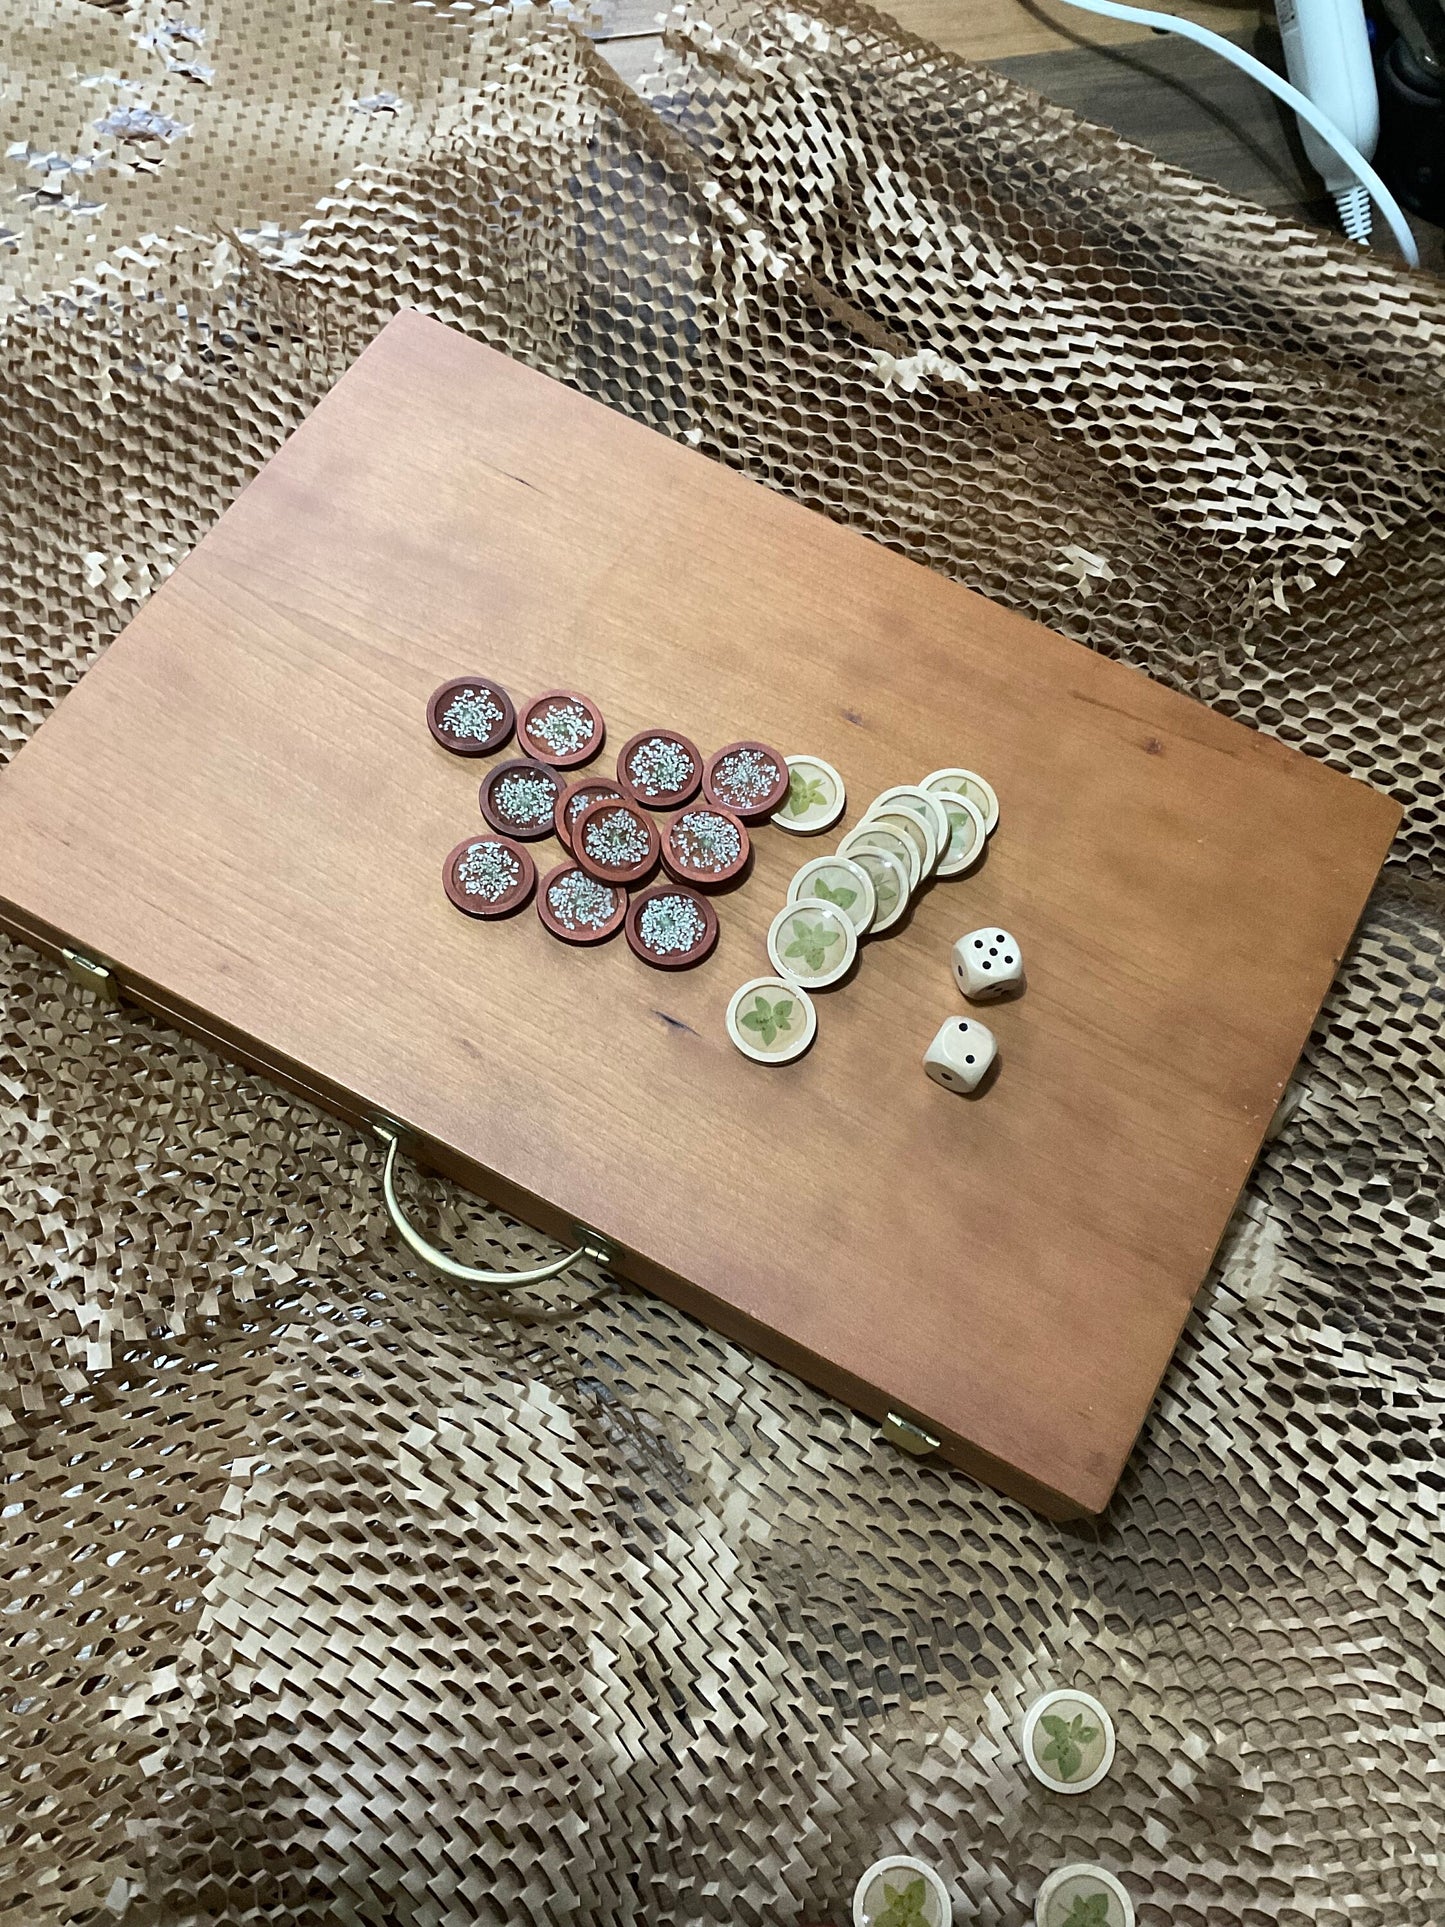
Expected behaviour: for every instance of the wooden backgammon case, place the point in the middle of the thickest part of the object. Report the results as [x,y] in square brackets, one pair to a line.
[241,813]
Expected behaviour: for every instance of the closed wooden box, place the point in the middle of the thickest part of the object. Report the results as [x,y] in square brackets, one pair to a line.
[241,811]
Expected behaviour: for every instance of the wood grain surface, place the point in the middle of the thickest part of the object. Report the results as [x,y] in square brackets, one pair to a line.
[990,30]
[984,30]
[241,807]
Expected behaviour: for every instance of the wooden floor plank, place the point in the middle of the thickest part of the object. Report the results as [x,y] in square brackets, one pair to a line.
[994,30]
[1184,104]
[987,30]
[1194,110]
[1180,101]
[979,29]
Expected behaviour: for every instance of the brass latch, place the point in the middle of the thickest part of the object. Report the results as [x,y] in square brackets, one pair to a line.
[908,1437]
[91,975]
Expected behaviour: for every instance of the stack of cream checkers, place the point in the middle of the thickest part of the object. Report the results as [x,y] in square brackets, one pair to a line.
[911,834]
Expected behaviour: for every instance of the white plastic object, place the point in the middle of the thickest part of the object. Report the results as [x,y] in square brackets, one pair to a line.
[1327,53]
[1308,114]
[960,1054]
[988,964]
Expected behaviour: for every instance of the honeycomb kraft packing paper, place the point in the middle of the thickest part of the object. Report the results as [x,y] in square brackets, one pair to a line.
[336,1596]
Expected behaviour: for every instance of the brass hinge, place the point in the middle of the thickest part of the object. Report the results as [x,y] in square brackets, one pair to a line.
[593,1245]
[91,975]
[908,1437]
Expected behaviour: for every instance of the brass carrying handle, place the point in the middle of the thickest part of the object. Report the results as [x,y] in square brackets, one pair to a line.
[592,1245]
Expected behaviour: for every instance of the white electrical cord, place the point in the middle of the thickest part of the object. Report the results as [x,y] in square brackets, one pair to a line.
[1291,96]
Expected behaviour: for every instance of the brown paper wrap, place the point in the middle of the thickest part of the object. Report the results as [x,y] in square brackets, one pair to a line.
[334,1598]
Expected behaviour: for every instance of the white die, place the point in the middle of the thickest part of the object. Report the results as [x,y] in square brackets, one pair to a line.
[988,964]
[959,1056]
